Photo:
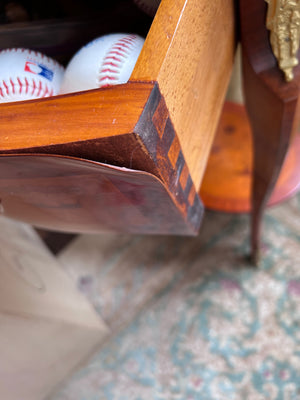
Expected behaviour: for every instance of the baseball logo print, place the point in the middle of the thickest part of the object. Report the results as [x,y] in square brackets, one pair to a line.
[27,74]
[39,69]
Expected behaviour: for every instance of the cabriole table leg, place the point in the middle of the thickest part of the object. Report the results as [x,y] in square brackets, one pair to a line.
[271,102]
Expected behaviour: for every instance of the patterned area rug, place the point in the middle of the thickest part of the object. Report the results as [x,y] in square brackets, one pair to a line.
[191,318]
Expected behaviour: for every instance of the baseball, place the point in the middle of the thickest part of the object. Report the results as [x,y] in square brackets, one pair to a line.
[107,60]
[26,74]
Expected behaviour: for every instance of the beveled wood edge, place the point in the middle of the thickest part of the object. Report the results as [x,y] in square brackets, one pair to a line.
[194,91]
[109,111]
[158,135]
[157,151]
[190,207]
[95,164]
[151,59]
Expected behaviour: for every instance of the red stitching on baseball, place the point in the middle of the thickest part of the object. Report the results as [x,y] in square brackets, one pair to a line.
[6,87]
[33,87]
[115,57]
[114,71]
[110,64]
[108,77]
[23,86]
[39,90]
[26,86]
[122,54]
[20,85]
[45,92]
[12,86]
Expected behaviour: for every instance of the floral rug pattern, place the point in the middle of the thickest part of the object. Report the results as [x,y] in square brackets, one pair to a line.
[220,328]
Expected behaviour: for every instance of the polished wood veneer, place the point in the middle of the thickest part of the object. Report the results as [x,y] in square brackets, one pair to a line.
[161,122]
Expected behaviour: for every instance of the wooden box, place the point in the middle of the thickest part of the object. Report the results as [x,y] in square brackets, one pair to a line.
[126,158]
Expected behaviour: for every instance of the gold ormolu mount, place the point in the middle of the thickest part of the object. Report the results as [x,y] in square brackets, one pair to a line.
[283,21]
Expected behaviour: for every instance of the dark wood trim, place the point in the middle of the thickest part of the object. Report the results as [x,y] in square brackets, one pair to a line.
[157,133]
[272,106]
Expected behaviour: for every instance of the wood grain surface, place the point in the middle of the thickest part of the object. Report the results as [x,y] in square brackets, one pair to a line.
[272,106]
[162,122]
[135,132]
[189,51]
[73,195]
[226,184]
[75,117]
